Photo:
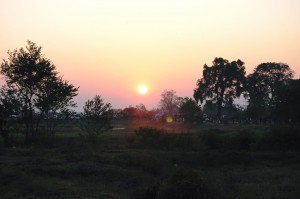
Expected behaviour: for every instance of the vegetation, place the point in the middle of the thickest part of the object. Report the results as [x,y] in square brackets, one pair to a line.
[208,162]
[96,118]
[33,85]
[263,87]
[221,83]
[151,154]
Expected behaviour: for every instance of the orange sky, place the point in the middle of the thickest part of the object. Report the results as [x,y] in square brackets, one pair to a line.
[108,47]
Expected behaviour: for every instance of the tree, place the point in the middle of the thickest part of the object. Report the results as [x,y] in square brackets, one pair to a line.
[10,103]
[169,103]
[221,83]
[37,83]
[190,110]
[96,117]
[263,85]
[288,104]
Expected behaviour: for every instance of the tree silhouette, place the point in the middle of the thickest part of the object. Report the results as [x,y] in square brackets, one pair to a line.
[96,118]
[37,83]
[263,85]
[221,82]
[190,110]
[169,103]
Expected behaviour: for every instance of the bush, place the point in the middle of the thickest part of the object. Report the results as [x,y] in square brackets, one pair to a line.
[96,118]
[282,138]
[149,135]
[181,184]
[244,140]
[211,139]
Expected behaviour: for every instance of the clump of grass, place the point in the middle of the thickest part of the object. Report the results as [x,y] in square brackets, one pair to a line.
[181,184]
[160,138]
[150,136]
[282,138]
[211,138]
[244,140]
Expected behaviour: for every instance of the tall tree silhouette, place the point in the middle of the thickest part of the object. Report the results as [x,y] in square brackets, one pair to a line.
[221,82]
[263,85]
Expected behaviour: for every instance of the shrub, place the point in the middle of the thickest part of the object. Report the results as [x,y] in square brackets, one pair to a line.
[149,135]
[282,138]
[211,139]
[181,184]
[244,140]
[96,118]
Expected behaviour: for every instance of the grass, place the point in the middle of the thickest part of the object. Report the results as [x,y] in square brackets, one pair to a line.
[176,162]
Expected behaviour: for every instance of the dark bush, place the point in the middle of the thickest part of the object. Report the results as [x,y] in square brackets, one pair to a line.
[244,140]
[181,184]
[282,138]
[150,136]
[211,138]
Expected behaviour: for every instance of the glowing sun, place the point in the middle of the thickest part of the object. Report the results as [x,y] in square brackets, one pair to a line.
[142,89]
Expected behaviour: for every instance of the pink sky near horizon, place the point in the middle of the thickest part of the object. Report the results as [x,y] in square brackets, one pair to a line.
[109,47]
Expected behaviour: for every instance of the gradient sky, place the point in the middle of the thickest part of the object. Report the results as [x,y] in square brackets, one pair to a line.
[109,47]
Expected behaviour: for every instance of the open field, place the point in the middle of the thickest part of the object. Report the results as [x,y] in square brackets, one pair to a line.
[207,161]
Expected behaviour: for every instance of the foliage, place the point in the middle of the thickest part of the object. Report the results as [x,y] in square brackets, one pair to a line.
[190,110]
[169,103]
[211,138]
[138,112]
[96,117]
[287,105]
[181,184]
[37,84]
[244,140]
[116,169]
[150,135]
[282,138]
[263,85]
[221,83]
[10,103]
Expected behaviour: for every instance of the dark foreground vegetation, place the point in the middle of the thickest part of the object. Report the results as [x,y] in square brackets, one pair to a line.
[155,160]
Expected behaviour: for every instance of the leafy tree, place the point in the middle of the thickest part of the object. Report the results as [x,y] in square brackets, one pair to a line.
[221,82]
[169,103]
[210,109]
[263,85]
[37,83]
[288,104]
[190,110]
[96,117]
[130,112]
[10,103]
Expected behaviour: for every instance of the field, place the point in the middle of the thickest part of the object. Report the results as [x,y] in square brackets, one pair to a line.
[157,161]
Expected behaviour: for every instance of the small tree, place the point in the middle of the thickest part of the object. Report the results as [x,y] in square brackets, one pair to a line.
[96,117]
[190,110]
[169,103]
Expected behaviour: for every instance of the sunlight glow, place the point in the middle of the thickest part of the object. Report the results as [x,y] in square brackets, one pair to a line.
[142,89]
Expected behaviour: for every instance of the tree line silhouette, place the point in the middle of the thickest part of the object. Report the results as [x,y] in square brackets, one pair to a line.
[35,94]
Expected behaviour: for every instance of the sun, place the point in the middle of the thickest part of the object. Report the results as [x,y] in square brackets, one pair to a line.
[142,89]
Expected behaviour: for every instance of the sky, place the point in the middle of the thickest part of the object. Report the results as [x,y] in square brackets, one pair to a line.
[110,47]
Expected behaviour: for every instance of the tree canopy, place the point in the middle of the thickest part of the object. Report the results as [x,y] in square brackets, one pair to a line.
[221,82]
[169,102]
[38,86]
[263,86]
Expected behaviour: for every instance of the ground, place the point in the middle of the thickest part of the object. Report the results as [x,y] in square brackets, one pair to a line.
[197,161]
